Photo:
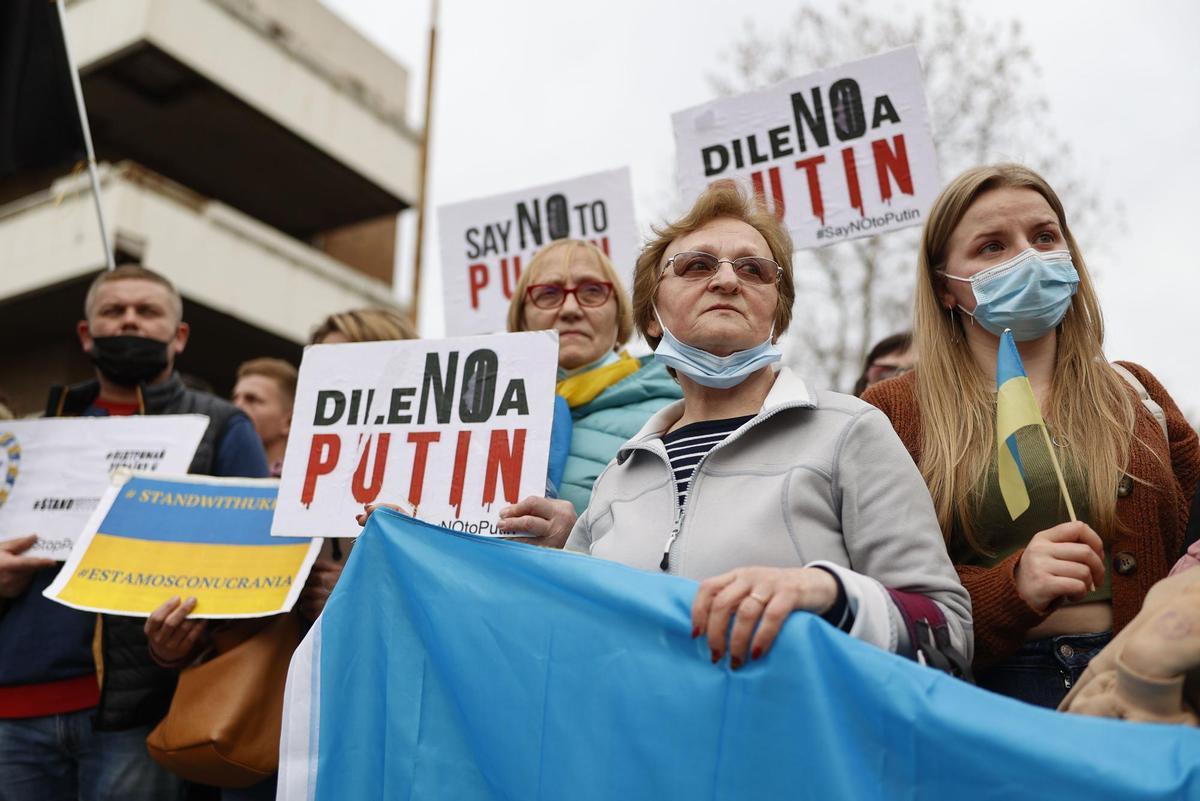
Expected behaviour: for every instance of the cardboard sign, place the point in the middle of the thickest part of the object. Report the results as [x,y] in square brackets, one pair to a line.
[456,428]
[840,154]
[154,537]
[485,243]
[53,472]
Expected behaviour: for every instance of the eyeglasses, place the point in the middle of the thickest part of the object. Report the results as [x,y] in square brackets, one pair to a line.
[695,265]
[551,296]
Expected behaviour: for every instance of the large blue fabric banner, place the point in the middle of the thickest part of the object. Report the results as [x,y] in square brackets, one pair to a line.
[448,666]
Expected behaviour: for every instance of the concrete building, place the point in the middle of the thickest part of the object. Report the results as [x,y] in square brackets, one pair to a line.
[254,151]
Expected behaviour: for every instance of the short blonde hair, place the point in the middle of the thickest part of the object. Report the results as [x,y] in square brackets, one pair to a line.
[133,272]
[516,308]
[372,324]
[284,374]
[722,199]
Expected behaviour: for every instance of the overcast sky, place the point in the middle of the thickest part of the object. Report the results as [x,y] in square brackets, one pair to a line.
[532,91]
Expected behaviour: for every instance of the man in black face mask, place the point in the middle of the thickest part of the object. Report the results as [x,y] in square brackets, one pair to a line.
[63,733]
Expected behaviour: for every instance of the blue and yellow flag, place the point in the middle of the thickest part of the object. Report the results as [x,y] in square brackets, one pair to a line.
[156,536]
[449,666]
[1016,408]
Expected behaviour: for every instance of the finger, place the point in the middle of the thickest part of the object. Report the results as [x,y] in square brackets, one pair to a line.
[769,624]
[1069,588]
[745,620]
[193,636]
[176,637]
[535,526]
[1085,573]
[155,622]
[1091,539]
[1073,570]
[720,612]
[30,564]
[180,613]
[524,506]
[1081,554]
[19,544]
[703,600]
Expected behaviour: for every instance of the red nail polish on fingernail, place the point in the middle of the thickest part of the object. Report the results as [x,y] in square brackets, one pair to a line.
[716,656]
[735,663]
[695,632]
[756,653]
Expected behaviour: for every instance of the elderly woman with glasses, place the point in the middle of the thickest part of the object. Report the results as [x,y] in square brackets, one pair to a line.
[776,496]
[571,286]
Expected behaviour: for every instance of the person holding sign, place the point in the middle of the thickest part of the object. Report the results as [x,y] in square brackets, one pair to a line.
[1053,574]
[67,720]
[573,288]
[778,497]
[370,324]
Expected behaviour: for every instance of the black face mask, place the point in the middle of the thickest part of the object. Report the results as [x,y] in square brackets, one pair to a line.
[128,360]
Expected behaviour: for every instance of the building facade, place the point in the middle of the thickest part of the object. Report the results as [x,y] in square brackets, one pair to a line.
[253,151]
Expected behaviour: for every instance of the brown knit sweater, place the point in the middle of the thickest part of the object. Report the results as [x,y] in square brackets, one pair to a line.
[1151,520]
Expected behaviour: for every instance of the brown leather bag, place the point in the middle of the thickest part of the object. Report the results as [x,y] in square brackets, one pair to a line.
[224,722]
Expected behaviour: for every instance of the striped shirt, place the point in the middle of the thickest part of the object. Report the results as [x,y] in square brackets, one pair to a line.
[688,445]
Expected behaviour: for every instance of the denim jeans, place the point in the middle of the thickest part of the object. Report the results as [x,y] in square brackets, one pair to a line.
[1043,671]
[62,758]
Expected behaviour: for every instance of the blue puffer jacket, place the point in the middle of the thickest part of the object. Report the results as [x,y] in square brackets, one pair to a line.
[605,423]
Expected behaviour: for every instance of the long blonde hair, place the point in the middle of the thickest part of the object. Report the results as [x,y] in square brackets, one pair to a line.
[1090,406]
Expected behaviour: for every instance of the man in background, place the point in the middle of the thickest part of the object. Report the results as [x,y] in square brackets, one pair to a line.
[266,391]
[80,692]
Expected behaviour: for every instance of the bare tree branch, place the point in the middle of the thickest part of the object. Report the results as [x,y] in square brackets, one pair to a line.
[985,97]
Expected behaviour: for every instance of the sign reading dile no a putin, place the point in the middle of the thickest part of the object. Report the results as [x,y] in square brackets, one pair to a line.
[838,154]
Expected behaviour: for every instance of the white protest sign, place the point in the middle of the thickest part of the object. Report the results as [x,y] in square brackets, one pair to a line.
[843,153]
[54,471]
[457,428]
[485,243]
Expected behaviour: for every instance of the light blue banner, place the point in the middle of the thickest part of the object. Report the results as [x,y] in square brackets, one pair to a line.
[448,666]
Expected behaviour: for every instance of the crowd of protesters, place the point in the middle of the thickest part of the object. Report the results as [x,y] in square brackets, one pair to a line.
[874,511]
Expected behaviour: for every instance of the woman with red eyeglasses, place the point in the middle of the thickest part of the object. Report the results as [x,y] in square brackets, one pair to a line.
[572,287]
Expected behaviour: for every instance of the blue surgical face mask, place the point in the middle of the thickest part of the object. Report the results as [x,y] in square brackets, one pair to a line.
[717,372]
[1030,293]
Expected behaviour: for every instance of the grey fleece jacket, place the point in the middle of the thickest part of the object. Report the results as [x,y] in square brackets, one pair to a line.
[813,478]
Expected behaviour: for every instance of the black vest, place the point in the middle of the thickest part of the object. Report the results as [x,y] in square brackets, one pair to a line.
[135,690]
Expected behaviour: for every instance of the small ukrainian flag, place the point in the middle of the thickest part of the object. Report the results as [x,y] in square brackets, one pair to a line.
[1016,408]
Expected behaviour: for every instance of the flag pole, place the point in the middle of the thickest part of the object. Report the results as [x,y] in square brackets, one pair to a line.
[109,262]
[423,177]
[1062,485]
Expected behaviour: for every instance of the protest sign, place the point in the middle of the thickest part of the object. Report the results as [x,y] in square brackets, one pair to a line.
[486,242]
[842,153]
[53,471]
[154,537]
[456,428]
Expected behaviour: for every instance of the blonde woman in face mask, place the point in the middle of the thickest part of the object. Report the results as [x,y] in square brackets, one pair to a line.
[1047,593]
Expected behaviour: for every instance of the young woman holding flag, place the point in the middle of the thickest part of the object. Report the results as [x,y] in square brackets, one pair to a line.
[1050,582]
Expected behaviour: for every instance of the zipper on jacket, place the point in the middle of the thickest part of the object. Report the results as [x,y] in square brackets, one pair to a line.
[665,563]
